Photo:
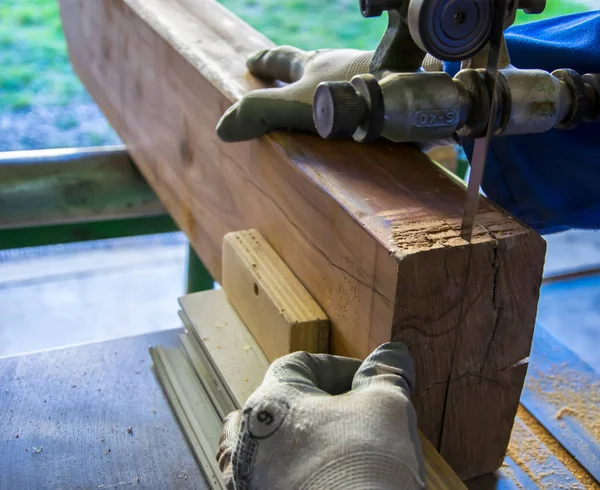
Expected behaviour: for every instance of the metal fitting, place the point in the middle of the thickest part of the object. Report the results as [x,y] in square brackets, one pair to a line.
[479,103]
[429,106]
[532,6]
[337,110]
[450,31]
[349,109]
[538,101]
[592,84]
[579,98]
[422,106]
[374,8]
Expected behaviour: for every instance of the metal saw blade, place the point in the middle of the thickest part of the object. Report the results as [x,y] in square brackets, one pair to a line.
[481,147]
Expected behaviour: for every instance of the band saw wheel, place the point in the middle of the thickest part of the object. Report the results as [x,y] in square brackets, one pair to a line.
[450,30]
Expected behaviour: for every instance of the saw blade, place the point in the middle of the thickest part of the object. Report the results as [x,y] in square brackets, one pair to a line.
[480,149]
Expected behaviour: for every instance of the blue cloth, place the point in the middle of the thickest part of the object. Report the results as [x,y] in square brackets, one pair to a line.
[551,181]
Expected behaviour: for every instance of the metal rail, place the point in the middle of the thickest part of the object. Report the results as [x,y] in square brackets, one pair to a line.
[67,186]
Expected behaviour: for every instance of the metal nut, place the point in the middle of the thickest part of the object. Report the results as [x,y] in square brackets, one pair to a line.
[579,97]
[592,83]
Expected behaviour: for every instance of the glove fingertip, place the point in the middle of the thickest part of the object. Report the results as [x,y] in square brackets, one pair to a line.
[390,364]
[254,59]
[224,133]
[230,128]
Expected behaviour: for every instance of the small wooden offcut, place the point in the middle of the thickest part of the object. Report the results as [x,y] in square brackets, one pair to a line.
[276,308]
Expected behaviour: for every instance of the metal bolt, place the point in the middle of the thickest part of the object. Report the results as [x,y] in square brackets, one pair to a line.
[374,8]
[532,6]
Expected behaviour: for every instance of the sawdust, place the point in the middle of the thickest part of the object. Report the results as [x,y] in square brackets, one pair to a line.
[564,411]
[574,394]
[532,446]
[432,234]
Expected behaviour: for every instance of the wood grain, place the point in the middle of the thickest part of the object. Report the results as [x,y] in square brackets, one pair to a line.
[370,231]
[278,311]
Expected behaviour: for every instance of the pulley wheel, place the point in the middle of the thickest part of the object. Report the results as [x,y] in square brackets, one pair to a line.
[451,30]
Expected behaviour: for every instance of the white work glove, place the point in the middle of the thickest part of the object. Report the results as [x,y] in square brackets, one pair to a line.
[288,107]
[303,430]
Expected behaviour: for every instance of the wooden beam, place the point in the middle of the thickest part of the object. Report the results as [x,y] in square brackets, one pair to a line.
[370,231]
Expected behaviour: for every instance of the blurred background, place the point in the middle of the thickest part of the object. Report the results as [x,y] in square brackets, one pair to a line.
[94,290]
[44,105]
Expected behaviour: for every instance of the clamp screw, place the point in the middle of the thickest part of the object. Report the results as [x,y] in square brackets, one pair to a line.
[337,110]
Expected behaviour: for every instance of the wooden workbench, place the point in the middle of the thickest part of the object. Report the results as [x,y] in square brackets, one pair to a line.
[77,403]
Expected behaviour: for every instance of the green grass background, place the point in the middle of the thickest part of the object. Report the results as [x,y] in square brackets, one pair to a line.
[35,69]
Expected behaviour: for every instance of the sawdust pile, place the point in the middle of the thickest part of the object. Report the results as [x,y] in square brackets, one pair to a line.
[574,394]
[427,235]
[531,447]
[430,234]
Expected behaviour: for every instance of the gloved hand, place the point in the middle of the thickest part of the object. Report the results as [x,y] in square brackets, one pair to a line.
[303,429]
[288,107]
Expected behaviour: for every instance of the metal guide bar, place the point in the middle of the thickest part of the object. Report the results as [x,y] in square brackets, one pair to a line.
[193,409]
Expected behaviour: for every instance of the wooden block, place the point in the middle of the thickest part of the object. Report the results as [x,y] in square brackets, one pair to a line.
[371,231]
[279,312]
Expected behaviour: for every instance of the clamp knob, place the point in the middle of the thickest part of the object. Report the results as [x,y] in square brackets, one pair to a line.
[349,109]
[337,110]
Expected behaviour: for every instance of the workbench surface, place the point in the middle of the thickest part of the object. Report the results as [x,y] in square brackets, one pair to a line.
[94,416]
[91,416]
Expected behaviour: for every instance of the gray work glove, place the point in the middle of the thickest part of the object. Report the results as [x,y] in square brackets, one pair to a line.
[290,106]
[303,429]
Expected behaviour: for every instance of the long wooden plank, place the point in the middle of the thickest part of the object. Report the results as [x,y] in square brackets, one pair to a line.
[371,231]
